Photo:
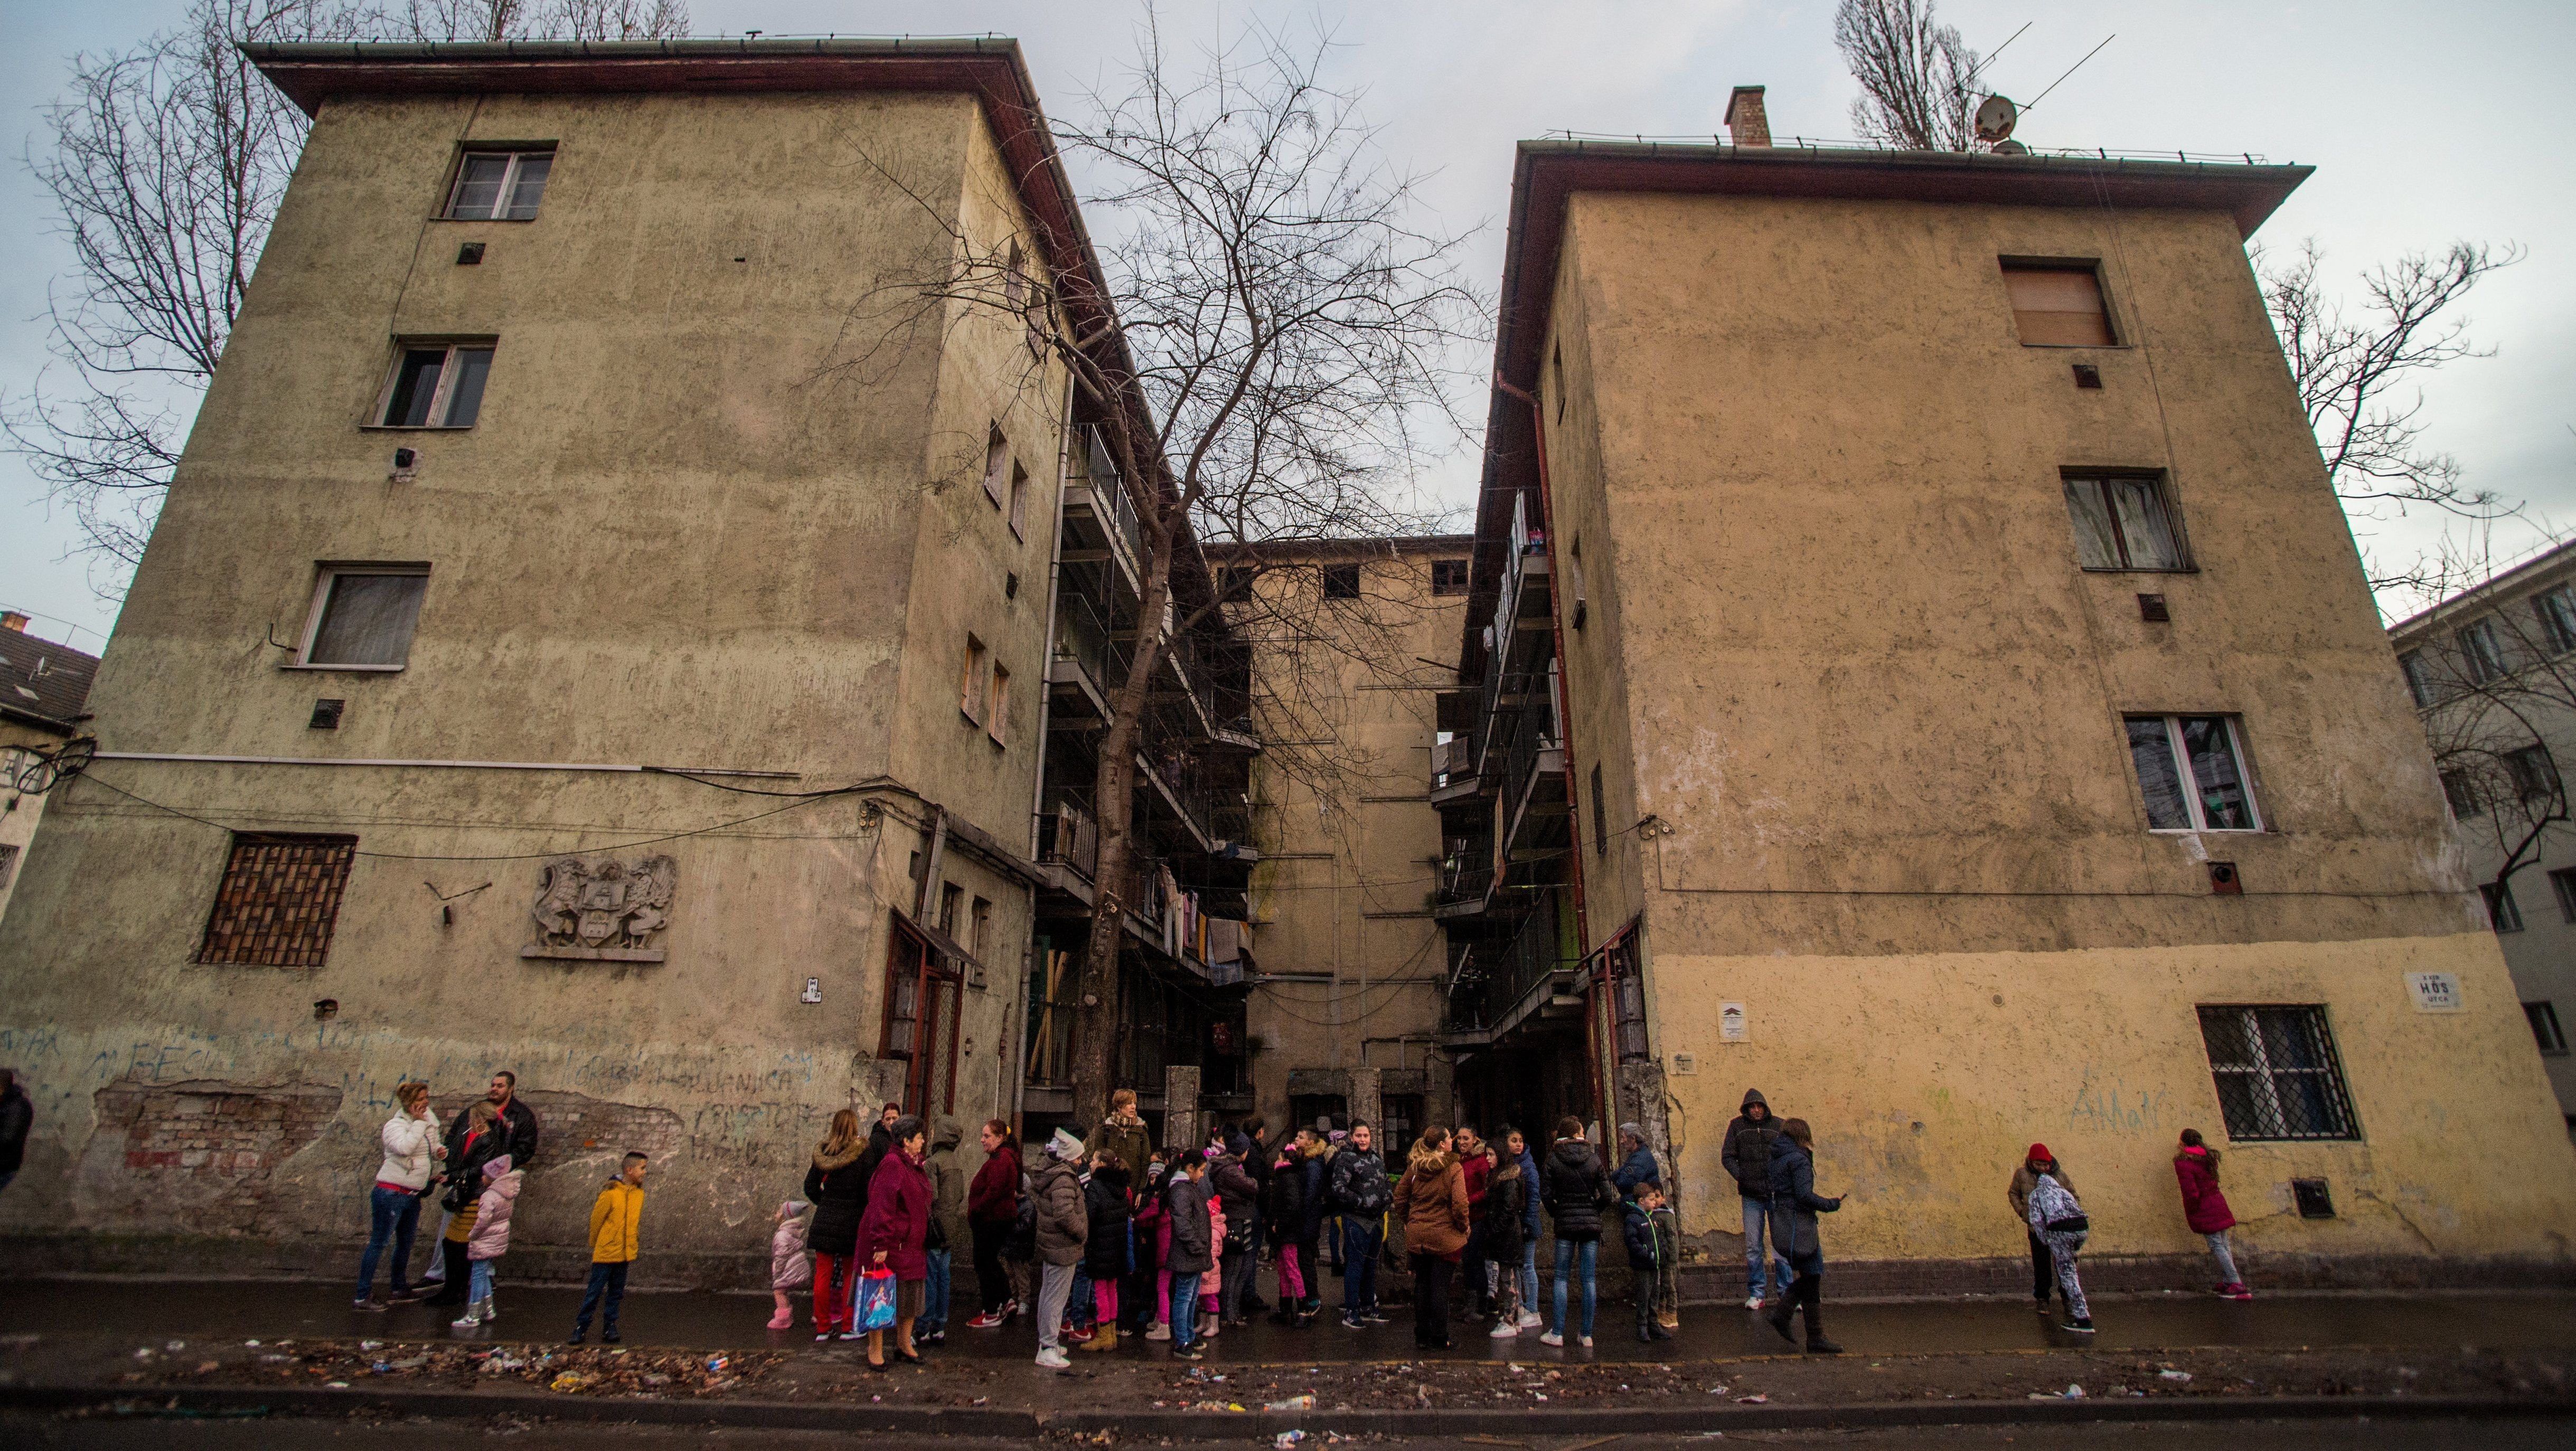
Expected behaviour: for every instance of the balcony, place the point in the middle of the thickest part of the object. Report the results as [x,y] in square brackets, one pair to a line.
[1496,987]
[1087,663]
[1453,771]
[1103,514]
[1528,766]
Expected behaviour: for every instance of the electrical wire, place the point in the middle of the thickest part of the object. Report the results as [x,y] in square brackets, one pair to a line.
[805,799]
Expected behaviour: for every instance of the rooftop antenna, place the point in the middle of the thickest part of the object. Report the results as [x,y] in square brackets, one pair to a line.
[2070,70]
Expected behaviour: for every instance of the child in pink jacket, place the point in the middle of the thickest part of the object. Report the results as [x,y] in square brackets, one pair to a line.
[490,1239]
[790,1267]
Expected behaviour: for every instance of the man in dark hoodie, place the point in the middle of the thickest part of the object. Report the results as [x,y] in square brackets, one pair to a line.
[1746,1156]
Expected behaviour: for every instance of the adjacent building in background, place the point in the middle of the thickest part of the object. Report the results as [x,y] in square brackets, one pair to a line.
[2492,670]
[44,729]
[1918,668]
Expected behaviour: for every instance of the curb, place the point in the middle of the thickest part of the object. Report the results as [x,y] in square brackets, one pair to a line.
[1263,1425]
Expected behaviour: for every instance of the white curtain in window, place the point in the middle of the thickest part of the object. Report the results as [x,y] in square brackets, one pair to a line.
[2144,525]
[2095,543]
[368,619]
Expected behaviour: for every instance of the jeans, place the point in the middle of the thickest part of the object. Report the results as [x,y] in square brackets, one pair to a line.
[392,1214]
[2226,1259]
[992,1282]
[1078,1299]
[1574,1256]
[2043,1270]
[482,1283]
[934,1293]
[1757,1222]
[1362,1239]
[1185,1301]
[1236,1268]
[1055,1289]
[1648,1283]
[1306,1258]
[1529,1272]
[606,1290]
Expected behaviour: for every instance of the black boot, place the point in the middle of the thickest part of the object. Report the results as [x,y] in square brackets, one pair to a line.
[1785,1307]
[1813,1301]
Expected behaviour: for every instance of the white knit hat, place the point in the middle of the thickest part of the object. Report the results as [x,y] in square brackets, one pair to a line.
[1064,1146]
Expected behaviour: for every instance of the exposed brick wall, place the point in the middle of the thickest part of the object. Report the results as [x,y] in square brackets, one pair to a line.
[210,1146]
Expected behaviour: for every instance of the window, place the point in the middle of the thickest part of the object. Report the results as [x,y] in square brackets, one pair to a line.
[2557,611]
[2563,881]
[997,464]
[500,186]
[1234,582]
[2058,305]
[363,615]
[997,705]
[2276,1073]
[8,865]
[1341,581]
[2535,776]
[436,385]
[951,897]
[2419,679]
[2462,793]
[979,928]
[921,1015]
[2216,797]
[1403,1115]
[1448,576]
[2481,655]
[2124,522]
[970,690]
[2544,1028]
[1019,513]
[2502,914]
[279,897]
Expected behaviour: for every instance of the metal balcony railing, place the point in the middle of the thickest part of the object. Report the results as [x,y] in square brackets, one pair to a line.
[1492,979]
[1109,486]
[1067,836]
[1083,637]
[1532,731]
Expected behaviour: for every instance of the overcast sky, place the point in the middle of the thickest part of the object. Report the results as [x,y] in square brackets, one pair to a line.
[2425,124]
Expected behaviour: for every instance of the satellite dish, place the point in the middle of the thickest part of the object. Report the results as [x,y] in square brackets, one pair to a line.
[1995,117]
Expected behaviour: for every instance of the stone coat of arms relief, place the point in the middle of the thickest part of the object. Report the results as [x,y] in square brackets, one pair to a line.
[603,909]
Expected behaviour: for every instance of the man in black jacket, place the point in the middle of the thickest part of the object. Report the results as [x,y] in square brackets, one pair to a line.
[518,1140]
[1746,1156]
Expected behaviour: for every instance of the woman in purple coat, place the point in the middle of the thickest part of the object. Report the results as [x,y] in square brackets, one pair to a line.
[890,1237]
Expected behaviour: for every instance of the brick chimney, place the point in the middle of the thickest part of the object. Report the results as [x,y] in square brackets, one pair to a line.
[13,621]
[1746,125]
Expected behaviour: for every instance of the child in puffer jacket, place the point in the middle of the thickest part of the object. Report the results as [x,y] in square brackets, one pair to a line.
[790,1267]
[489,1240]
[1654,1244]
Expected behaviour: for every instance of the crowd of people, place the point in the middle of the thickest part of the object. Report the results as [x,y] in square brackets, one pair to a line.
[1109,1236]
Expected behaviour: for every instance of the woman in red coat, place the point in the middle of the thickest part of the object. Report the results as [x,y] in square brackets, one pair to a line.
[992,1211]
[2205,1209]
[890,1237]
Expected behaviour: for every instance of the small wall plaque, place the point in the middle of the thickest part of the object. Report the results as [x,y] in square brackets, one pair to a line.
[2435,992]
[1730,1022]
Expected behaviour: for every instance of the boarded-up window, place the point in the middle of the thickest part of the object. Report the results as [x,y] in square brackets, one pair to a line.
[2057,306]
[279,897]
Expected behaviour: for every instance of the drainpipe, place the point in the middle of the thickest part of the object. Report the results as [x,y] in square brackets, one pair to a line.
[1011,1049]
[1606,1096]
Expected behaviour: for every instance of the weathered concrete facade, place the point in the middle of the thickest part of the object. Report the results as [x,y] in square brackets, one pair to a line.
[1352,964]
[1850,798]
[721,512]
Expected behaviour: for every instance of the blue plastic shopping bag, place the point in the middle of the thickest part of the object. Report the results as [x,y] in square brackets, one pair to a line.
[876,1300]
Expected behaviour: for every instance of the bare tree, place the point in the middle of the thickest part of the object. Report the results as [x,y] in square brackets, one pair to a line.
[1914,74]
[2351,376]
[166,164]
[1276,340]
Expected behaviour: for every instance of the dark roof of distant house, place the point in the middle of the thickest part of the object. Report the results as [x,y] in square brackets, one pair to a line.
[44,684]
[1548,172]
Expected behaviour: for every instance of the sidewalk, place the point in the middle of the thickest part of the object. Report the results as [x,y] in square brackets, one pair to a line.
[693,1358]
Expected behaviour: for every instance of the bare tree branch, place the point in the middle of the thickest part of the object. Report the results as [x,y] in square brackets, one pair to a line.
[1914,74]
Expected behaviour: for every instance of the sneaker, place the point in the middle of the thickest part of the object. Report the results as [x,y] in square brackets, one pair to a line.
[820,1339]
[1752,1302]
[1189,1352]
[472,1319]
[1053,1359]
[990,1320]
[935,1337]
[1507,1330]
[1161,1331]
[1530,1320]
[577,1337]
[610,1337]
[1377,1316]
[854,1333]
[2238,1291]
[2082,1325]
[1074,1333]
[1585,1342]
[1551,1338]
[367,1303]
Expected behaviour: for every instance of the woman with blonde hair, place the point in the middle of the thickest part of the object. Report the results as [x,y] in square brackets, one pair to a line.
[837,1186]
[412,1152]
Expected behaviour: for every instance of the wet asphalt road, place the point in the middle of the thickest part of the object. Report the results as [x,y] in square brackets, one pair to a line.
[157,1309]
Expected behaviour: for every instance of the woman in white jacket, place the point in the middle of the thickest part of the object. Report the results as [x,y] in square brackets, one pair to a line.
[412,1152]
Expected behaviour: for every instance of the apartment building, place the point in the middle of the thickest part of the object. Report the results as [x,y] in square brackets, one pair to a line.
[1915,666]
[2492,670]
[602,629]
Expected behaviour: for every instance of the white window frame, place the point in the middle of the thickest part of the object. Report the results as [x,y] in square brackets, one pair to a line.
[2481,653]
[2556,609]
[325,577]
[440,397]
[2191,782]
[2419,679]
[509,182]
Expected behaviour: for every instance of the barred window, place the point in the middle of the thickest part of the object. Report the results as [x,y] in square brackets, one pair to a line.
[280,896]
[2277,1074]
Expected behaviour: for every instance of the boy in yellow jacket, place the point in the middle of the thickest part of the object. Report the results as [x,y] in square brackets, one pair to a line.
[615,1219]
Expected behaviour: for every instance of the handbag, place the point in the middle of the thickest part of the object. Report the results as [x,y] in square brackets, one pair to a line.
[876,1300]
[2071,1224]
